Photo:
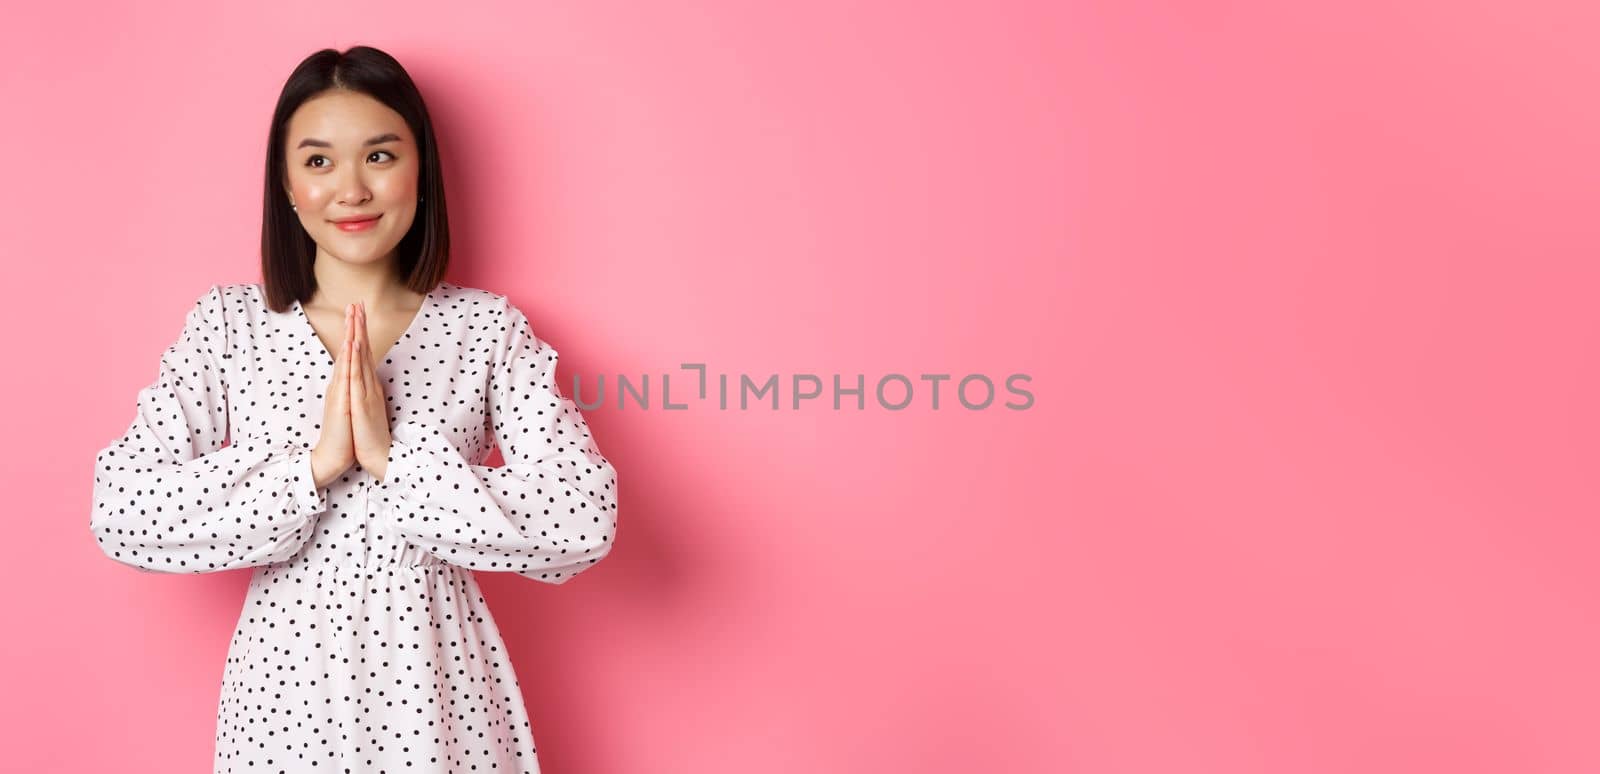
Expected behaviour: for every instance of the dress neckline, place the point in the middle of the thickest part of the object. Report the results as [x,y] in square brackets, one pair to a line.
[428,302]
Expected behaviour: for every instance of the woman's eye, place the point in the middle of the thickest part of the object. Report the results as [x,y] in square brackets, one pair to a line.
[311,162]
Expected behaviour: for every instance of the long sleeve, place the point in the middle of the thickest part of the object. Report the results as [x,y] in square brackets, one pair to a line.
[169,497]
[547,514]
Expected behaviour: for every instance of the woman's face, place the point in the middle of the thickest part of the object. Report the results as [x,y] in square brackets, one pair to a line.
[349,155]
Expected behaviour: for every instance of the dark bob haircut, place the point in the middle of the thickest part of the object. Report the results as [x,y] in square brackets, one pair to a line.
[287,251]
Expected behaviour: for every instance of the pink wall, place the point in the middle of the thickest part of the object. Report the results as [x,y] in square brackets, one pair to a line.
[1307,299]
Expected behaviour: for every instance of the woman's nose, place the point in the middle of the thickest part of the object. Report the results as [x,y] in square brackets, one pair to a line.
[353,190]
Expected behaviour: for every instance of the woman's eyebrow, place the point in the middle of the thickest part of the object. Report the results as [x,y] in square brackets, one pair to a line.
[389,137]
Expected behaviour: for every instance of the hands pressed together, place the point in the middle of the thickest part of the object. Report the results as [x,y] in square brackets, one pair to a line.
[355,422]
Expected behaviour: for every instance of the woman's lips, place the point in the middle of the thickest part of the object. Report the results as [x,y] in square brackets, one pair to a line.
[358,225]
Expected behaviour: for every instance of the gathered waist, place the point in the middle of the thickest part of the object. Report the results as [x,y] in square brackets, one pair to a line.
[335,568]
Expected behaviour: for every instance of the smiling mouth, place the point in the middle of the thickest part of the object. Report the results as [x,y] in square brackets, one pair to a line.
[358,225]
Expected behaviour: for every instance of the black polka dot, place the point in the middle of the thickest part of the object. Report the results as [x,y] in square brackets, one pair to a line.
[365,644]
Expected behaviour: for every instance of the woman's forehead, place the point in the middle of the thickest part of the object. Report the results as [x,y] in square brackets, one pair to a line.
[344,118]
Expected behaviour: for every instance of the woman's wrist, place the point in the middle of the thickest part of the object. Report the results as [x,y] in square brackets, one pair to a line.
[323,471]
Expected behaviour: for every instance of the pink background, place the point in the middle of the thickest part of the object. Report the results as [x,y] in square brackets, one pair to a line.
[1307,297]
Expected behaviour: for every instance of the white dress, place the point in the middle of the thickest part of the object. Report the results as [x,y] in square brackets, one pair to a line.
[364,644]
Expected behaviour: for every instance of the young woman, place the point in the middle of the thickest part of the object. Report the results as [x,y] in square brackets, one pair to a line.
[358,393]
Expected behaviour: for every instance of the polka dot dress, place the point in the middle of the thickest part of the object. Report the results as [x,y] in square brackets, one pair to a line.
[365,644]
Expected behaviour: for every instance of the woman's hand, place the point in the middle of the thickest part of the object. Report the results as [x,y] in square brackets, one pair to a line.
[369,410]
[335,449]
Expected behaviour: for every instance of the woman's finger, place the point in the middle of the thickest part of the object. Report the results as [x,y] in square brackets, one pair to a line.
[358,392]
[344,374]
[340,363]
[358,377]
[350,358]
[371,371]
[344,352]
[356,326]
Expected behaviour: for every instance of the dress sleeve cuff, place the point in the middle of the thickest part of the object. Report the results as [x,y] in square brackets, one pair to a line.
[308,499]
[398,474]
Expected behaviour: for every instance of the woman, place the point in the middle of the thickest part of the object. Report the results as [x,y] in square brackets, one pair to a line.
[364,643]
